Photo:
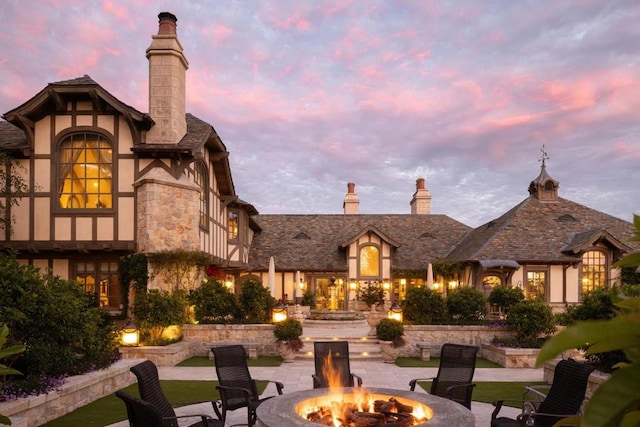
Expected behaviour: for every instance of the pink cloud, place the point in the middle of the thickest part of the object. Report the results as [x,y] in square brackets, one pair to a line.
[114,9]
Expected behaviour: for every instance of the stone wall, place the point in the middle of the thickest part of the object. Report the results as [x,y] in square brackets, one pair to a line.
[511,357]
[75,392]
[169,355]
[595,379]
[204,335]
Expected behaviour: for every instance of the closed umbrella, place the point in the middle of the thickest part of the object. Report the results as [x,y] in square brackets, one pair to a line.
[271,277]
[430,276]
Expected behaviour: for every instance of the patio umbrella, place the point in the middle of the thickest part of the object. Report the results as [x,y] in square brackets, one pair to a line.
[296,283]
[430,276]
[271,277]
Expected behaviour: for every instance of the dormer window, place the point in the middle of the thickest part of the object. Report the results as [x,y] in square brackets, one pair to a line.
[85,172]
[369,261]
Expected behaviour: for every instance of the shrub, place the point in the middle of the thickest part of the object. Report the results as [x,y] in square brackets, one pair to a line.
[156,310]
[289,331]
[255,302]
[371,295]
[506,297]
[65,333]
[423,306]
[213,303]
[390,330]
[466,303]
[530,319]
[309,298]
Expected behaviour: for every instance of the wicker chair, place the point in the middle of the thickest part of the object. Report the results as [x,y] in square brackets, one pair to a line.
[339,352]
[455,374]
[151,392]
[143,414]
[565,398]
[237,388]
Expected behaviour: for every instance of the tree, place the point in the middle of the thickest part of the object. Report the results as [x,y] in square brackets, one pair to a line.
[12,187]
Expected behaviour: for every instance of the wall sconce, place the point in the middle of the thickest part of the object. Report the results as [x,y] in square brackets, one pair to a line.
[130,334]
[386,285]
[453,284]
[436,286]
[403,281]
[353,285]
[301,285]
[395,312]
[278,312]
[229,282]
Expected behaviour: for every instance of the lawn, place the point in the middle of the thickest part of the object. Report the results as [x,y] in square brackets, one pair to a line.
[488,392]
[203,362]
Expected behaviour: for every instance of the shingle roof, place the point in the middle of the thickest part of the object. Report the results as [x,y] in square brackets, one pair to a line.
[537,230]
[12,138]
[312,242]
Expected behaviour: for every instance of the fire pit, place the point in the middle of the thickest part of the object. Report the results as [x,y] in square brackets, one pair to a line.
[292,409]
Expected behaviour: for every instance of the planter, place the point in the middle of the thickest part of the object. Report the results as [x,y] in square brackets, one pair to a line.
[286,352]
[511,357]
[389,352]
[373,318]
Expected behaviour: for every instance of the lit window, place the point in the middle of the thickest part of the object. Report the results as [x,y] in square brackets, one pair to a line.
[233,225]
[101,279]
[369,261]
[594,271]
[200,178]
[85,172]
[536,284]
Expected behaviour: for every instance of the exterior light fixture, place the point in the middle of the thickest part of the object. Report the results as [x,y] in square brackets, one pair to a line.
[395,312]
[301,285]
[386,285]
[130,334]
[279,312]
[353,285]
[453,284]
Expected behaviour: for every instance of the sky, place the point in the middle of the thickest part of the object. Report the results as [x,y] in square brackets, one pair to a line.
[309,95]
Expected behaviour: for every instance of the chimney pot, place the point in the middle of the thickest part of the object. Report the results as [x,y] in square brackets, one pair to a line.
[351,187]
[420,184]
[167,23]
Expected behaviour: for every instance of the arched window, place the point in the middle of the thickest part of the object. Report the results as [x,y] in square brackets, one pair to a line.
[369,261]
[201,179]
[594,271]
[85,172]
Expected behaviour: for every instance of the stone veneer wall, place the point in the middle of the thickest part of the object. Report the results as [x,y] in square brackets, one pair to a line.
[511,357]
[168,355]
[436,335]
[75,392]
[203,335]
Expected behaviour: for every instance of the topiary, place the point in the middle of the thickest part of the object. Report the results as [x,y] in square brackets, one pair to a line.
[423,306]
[390,330]
[289,331]
[506,297]
[466,303]
[309,298]
[371,295]
[530,319]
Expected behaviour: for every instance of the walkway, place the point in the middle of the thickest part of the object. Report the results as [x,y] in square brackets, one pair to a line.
[297,376]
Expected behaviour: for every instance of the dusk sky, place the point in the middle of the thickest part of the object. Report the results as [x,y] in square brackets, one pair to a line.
[310,95]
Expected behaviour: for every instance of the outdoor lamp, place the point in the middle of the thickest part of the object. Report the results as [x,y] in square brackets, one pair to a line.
[395,312]
[301,285]
[386,285]
[279,312]
[130,334]
[453,284]
[353,285]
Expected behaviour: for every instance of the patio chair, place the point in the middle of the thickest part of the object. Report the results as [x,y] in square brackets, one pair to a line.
[455,374]
[141,413]
[565,398]
[237,388]
[151,392]
[339,365]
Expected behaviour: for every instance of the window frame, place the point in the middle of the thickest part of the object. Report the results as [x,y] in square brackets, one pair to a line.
[545,285]
[604,274]
[236,236]
[376,276]
[57,171]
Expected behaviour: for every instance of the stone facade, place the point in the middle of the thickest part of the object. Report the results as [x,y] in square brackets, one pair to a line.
[511,357]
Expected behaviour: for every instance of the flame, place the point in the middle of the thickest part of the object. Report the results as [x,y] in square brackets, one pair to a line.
[331,373]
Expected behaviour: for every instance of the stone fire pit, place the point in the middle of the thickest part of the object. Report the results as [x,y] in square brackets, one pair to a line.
[281,410]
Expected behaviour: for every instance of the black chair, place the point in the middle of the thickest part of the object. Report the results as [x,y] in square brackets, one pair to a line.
[455,374]
[237,388]
[565,398]
[143,414]
[332,362]
[151,392]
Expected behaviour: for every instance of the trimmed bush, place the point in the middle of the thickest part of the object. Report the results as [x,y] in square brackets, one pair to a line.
[531,319]
[255,302]
[390,330]
[156,310]
[371,295]
[506,297]
[213,303]
[423,306]
[466,303]
[289,332]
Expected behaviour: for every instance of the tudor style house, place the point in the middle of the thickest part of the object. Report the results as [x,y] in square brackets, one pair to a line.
[108,180]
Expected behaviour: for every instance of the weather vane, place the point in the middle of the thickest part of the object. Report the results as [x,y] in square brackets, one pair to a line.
[544,156]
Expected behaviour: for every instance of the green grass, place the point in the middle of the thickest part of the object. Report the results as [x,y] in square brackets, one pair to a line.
[488,392]
[203,362]
[414,362]
[110,409]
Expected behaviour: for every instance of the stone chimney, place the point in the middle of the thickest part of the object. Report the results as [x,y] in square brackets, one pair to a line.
[421,201]
[167,75]
[351,200]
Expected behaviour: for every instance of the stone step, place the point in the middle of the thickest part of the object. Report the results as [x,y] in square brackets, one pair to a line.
[360,348]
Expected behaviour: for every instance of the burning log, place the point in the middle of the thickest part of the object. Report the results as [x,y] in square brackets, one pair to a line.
[401,407]
[388,413]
